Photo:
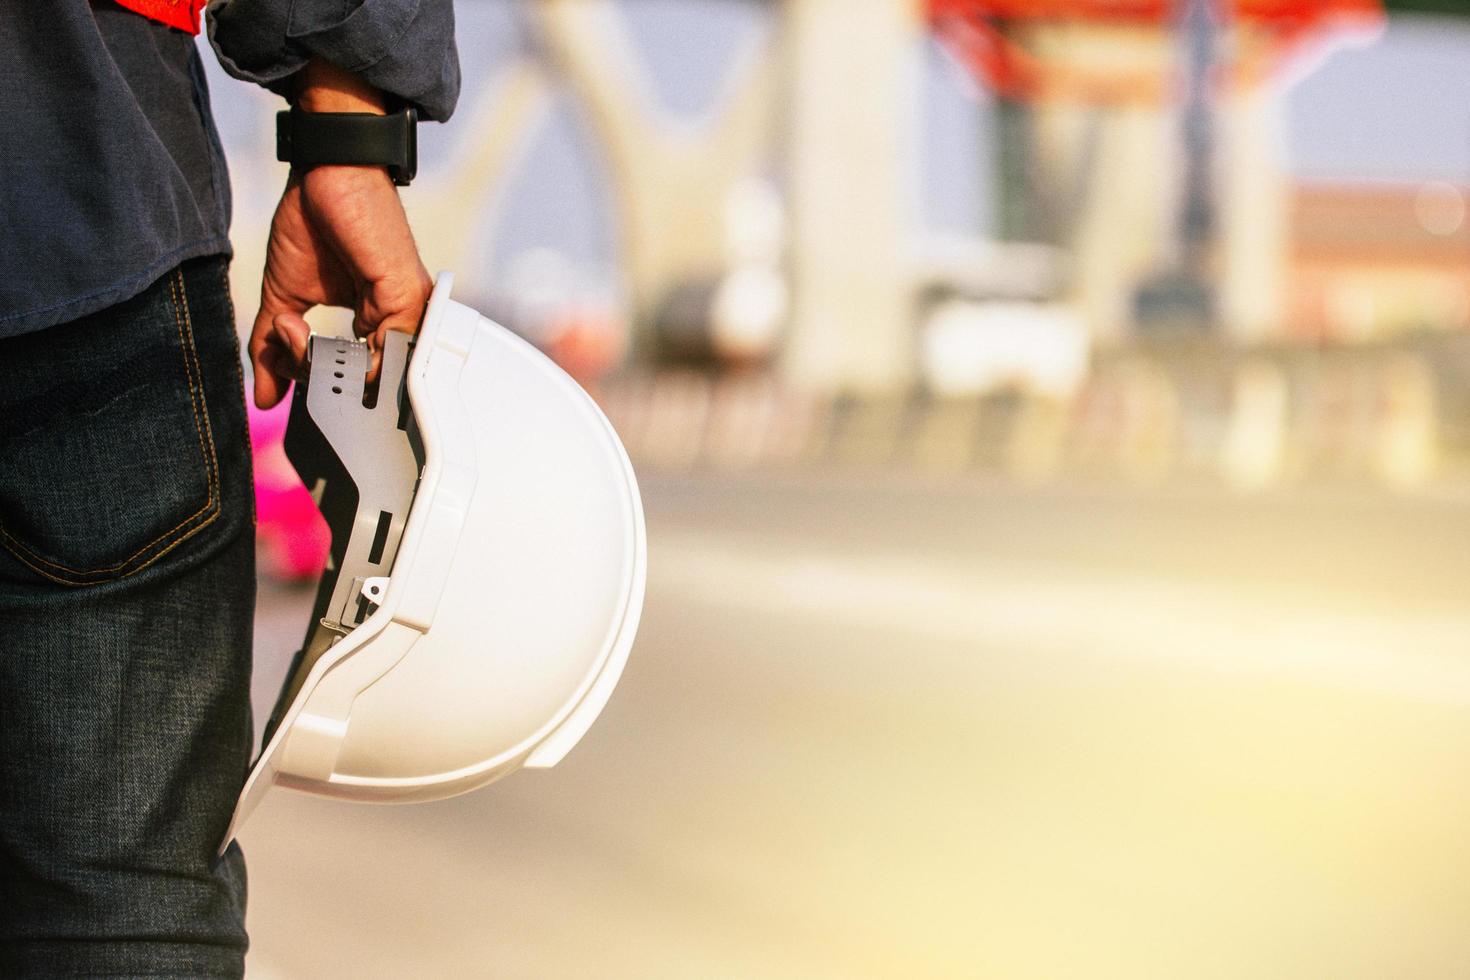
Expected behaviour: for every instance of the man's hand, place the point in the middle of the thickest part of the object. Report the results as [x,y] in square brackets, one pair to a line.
[339,238]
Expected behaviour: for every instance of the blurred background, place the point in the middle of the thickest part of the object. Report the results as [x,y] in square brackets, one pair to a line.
[1053,418]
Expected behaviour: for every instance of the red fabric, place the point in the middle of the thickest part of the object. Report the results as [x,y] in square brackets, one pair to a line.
[183,14]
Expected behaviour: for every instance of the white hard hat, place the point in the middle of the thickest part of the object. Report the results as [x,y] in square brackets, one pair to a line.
[487,569]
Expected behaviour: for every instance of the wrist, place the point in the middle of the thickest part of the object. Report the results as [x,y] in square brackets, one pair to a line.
[323,87]
[339,179]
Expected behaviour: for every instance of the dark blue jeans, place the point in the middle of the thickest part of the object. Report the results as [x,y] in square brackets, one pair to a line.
[127,589]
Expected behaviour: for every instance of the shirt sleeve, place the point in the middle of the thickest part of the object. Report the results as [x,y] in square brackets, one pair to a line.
[404,47]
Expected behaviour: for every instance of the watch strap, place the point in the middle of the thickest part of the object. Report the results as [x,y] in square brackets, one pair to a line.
[313,139]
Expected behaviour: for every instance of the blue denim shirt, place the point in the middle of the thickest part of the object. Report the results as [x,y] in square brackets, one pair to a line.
[111,171]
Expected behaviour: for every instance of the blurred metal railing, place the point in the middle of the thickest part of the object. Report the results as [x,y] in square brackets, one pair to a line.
[1394,415]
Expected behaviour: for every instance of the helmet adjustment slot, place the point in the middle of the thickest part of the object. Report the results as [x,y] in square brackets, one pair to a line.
[362,458]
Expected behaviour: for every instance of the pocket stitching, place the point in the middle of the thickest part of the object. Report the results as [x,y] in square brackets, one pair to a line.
[224,277]
[184,324]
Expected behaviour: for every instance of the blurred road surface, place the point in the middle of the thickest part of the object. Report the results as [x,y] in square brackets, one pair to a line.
[906,730]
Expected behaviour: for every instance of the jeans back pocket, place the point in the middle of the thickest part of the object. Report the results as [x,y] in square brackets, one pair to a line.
[107,461]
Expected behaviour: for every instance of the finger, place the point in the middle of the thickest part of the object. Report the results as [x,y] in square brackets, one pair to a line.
[408,313]
[291,335]
[400,322]
[363,330]
[270,387]
[278,354]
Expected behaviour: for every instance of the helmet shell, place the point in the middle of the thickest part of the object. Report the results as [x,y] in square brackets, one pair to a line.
[513,598]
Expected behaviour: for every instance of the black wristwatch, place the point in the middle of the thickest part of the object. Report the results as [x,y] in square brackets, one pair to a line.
[311,139]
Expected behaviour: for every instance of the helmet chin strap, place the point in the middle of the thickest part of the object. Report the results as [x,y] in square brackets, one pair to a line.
[358,452]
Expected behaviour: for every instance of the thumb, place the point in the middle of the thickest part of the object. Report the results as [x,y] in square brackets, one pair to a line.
[278,352]
[402,315]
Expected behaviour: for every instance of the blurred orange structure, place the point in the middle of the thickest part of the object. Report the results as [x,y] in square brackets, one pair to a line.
[1001,42]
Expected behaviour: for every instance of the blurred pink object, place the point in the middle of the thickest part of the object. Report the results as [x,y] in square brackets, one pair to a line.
[290,533]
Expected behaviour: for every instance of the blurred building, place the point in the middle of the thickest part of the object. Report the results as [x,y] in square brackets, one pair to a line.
[1145,138]
[1374,261]
[808,184]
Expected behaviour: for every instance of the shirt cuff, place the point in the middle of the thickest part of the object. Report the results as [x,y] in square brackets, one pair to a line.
[404,47]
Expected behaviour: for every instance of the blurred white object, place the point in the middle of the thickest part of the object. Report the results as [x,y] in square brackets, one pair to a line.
[490,634]
[1408,428]
[971,347]
[1254,451]
[750,306]
[755,223]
